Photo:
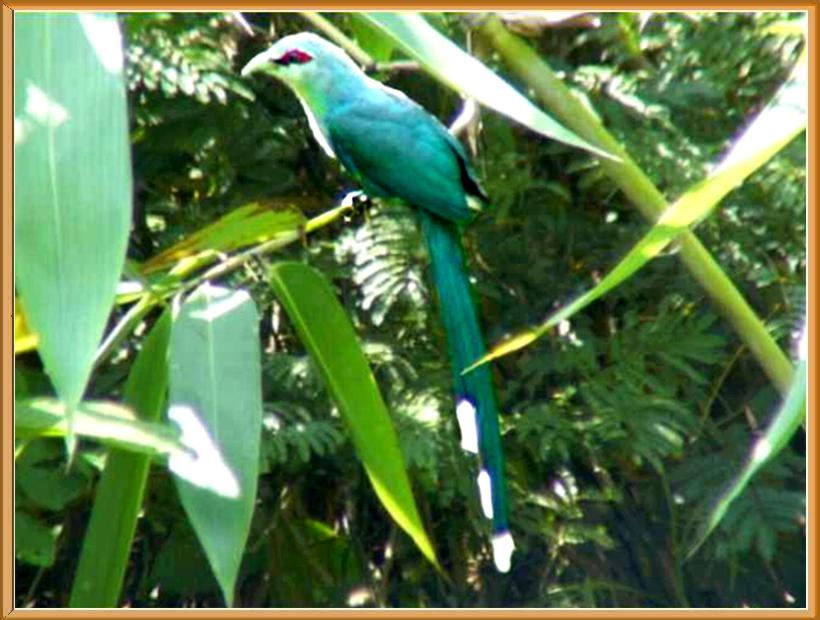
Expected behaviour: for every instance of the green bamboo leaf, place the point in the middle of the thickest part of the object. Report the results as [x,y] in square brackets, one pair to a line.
[464,73]
[780,430]
[247,225]
[118,499]
[216,392]
[372,40]
[116,425]
[777,125]
[109,423]
[72,185]
[328,335]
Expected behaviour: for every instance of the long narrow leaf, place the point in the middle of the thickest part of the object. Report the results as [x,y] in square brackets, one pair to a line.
[326,332]
[456,68]
[777,125]
[216,392]
[72,185]
[780,430]
[109,423]
[246,225]
[117,502]
[192,456]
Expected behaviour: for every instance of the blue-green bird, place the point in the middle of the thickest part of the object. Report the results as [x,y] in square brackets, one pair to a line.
[394,148]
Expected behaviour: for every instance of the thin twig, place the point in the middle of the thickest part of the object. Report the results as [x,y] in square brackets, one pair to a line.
[125,326]
[237,260]
[674,551]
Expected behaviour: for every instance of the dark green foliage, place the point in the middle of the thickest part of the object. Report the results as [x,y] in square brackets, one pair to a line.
[620,429]
[386,257]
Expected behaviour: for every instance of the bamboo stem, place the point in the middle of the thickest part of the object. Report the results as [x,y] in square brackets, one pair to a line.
[640,190]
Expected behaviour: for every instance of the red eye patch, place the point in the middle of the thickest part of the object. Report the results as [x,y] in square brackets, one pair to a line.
[293,56]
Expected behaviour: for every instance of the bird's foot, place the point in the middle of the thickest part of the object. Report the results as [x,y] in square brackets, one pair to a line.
[358,202]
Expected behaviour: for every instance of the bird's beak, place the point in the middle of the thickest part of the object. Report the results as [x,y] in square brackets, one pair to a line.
[255,63]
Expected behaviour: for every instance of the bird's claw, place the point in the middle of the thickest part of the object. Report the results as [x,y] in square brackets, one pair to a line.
[358,202]
[351,198]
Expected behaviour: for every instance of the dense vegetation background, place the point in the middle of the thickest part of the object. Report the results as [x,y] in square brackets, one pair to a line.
[619,430]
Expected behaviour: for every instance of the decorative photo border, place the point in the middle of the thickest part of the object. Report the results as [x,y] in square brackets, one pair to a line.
[7,309]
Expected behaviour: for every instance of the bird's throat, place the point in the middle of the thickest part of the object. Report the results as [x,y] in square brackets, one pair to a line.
[317,129]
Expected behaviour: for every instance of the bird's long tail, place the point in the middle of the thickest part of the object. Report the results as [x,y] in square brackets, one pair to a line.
[476,406]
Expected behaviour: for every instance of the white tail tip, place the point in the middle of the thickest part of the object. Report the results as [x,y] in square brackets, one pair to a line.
[503,547]
[485,492]
[465,414]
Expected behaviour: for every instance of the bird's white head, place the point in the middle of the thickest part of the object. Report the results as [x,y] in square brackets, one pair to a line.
[305,61]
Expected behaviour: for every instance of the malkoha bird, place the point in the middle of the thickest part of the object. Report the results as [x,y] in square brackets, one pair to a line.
[394,148]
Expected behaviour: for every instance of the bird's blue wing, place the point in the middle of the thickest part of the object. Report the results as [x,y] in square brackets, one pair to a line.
[396,148]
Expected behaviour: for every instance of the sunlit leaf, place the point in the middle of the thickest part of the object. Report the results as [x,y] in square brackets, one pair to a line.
[216,398]
[116,425]
[72,185]
[326,332]
[244,226]
[108,422]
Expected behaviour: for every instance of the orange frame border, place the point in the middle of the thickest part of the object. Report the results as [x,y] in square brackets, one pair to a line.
[7,322]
